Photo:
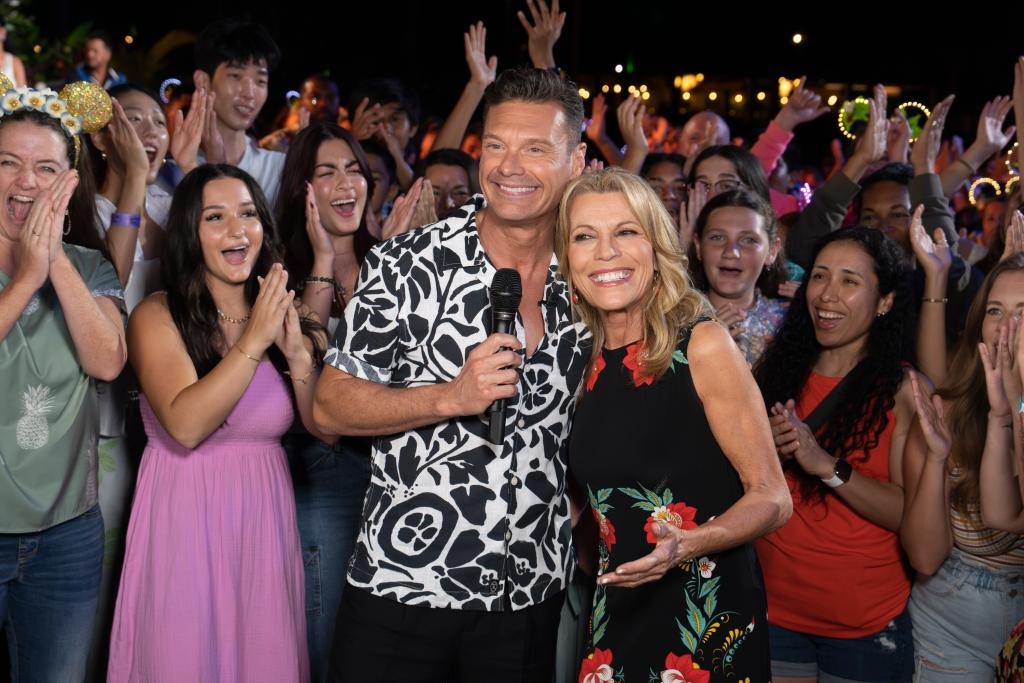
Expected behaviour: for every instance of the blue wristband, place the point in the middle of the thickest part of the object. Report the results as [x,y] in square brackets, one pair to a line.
[125,220]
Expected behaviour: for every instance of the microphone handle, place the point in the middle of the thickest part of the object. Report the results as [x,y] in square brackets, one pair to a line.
[502,324]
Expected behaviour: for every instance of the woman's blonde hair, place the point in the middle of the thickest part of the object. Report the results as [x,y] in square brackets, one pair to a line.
[673,304]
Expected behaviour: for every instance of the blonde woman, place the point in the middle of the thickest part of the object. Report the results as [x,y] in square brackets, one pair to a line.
[672,445]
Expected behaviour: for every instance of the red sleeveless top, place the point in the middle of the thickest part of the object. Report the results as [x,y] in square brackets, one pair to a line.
[828,571]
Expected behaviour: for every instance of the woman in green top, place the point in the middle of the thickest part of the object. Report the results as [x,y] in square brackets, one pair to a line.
[61,329]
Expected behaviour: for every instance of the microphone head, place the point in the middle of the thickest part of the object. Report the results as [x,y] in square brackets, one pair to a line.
[506,291]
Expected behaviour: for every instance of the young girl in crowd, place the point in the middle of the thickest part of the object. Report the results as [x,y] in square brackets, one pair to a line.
[738,261]
[212,581]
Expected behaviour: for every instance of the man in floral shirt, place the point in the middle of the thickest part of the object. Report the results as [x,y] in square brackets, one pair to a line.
[463,553]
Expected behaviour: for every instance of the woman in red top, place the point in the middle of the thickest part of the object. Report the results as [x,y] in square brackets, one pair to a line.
[834,576]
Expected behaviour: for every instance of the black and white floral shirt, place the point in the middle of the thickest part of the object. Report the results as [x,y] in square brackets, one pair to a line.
[451,520]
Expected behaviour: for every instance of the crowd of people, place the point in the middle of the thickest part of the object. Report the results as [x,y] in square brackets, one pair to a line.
[751,433]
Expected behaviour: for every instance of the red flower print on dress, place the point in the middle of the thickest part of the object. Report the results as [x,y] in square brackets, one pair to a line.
[605,528]
[679,515]
[632,361]
[597,667]
[594,372]
[683,670]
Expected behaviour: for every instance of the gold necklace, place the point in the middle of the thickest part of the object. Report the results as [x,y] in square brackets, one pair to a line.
[228,318]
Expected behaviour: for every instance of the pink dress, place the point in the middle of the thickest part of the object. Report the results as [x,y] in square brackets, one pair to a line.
[211,590]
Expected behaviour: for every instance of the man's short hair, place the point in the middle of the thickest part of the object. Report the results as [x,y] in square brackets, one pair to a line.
[229,41]
[526,84]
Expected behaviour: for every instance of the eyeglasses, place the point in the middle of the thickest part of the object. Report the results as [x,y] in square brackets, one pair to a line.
[664,189]
[718,186]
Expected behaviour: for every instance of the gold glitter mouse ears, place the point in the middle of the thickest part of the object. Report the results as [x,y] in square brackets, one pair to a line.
[79,107]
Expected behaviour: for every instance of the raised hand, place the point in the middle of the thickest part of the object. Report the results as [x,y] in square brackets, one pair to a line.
[802,106]
[630,115]
[595,124]
[400,220]
[212,142]
[543,33]
[482,70]
[426,211]
[1009,340]
[128,154]
[36,243]
[931,416]
[594,164]
[990,125]
[926,148]
[289,338]
[991,362]
[898,140]
[188,130]
[934,255]
[695,201]
[267,315]
[871,143]
[319,238]
[1014,240]
[733,318]
[366,119]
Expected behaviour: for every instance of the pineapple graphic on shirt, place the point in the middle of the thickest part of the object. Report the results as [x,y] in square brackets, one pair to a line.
[33,431]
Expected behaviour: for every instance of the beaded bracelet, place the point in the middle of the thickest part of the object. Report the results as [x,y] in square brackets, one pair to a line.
[125,220]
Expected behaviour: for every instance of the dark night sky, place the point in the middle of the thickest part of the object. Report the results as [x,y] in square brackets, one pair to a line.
[422,43]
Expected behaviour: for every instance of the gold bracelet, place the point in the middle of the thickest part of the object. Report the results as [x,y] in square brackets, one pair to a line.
[929,300]
[239,349]
[305,379]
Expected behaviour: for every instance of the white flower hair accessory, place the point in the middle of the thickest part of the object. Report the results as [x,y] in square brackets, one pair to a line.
[79,106]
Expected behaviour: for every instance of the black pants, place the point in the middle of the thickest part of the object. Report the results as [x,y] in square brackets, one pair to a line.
[378,640]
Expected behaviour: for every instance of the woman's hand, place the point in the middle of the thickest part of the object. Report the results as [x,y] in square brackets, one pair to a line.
[934,255]
[1014,240]
[289,337]
[400,220]
[188,130]
[733,318]
[794,439]
[41,236]
[268,312]
[128,149]
[931,416]
[674,547]
[695,201]
[319,238]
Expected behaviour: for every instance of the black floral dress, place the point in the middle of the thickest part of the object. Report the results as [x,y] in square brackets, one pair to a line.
[643,452]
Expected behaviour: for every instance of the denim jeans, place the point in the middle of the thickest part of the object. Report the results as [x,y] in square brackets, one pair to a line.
[962,616]
[330,484]
[883,657]
[49,582]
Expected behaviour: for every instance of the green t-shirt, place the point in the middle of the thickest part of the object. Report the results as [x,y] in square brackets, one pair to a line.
[49,420]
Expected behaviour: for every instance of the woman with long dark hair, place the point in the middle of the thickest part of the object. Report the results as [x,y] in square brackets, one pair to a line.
[212,580]
[841,407]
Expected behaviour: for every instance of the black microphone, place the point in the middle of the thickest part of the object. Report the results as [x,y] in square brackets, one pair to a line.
[506,293]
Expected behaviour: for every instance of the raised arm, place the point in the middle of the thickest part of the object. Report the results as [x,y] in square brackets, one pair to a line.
[482,72]
[597,133]
[990,139]
[935,258]
[925,531]
[630,114]
[735,413]
[543,33]
[802,106]
[925,188]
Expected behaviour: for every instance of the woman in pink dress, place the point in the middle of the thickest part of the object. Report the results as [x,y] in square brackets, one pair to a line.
[212,583]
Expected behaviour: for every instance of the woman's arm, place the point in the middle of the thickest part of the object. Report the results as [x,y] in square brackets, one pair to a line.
[1000,482]
[128,161]
[735,413]
[925,531]
[302,369]
[481,74]
[190,408]
[935,258]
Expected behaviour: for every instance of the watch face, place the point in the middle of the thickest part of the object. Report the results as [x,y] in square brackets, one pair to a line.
[843,470]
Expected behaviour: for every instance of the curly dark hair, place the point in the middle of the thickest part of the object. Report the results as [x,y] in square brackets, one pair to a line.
[786,364]
[184,271]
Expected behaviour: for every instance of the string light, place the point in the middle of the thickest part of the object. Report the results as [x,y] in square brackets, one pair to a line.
[982,181]
[645,96]
[617,89]
[738,98]
[761,95]
[584,93]
[797,38]
[783,100]
[712,96]
[166,88]
[129,40]
[686,96]
[618,68]
[832,100]
[848,111]
[1012,162]
[605,88]
[1008,187]
[915,126]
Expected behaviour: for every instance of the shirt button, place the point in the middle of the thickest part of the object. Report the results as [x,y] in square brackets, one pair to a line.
[494,587]
[508,534]
[514,480]
[521,424]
